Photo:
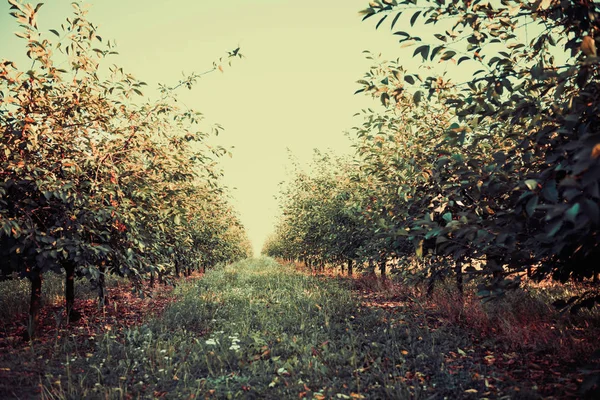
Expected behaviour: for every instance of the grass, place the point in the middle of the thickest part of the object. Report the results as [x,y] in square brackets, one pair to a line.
[257,329]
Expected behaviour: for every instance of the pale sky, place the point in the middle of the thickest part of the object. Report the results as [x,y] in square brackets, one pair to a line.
[293,90]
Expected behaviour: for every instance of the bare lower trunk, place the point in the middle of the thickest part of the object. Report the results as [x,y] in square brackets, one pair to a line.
[382,269]
[102,297]
[35,303]
[459,277]
[371,267]
[72,314]
[349,267]
[431,282]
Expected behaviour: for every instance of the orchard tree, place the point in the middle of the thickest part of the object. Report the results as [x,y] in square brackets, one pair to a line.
[531,200]
[92,182]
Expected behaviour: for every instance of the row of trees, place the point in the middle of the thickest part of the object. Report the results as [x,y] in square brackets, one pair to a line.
[93,181]
[495,176]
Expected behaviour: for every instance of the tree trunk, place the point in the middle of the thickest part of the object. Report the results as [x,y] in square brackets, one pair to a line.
[494,265]
[382,268]
[35,303]
[102,297]
[430,287]
[152,279]
[349,267]
[459,277]
[72,314]
[371,268]
[431,282]
[176,268]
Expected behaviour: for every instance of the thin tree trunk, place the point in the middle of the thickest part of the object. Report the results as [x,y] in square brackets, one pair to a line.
[35,303]
[459,277]
[72,314]
[431,281]
[382,268]
[349,267]
[152,279]
[371,267]
[102,297]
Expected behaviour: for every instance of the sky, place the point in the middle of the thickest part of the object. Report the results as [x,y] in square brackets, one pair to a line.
[293,90]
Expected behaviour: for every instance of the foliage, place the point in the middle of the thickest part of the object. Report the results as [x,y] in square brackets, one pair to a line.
[494,177]
[317,224]
[530,197]
[93,181]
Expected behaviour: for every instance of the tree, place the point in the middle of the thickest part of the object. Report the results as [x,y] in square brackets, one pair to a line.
[91,181]
[534,203]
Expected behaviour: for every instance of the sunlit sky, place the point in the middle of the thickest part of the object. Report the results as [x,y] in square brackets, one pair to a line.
[293,90]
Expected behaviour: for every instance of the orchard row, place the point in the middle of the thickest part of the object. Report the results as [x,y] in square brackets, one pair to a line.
[495,176]
[95,182]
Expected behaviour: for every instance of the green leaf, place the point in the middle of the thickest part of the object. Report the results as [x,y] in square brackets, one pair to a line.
[385,99]
[409,79]
[413,19]
[531,205]
[423,50]
[396,19]
[463,58]
[554,228]
[448,55]
[381,21]
[532,184]
[572,212]
[417,96]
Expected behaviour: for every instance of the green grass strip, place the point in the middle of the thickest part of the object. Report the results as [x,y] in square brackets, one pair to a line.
[256,329]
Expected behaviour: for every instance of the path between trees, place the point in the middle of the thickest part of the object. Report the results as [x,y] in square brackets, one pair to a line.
[257,329]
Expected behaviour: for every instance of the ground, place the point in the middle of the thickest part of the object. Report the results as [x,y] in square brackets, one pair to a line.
[259,329]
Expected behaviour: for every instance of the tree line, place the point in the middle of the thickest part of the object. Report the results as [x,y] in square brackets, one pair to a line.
[94,181]
[495,177]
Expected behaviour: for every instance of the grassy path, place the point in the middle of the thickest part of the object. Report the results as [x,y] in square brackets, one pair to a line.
[258,330]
